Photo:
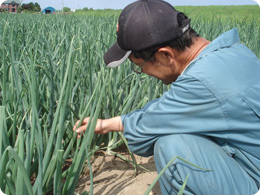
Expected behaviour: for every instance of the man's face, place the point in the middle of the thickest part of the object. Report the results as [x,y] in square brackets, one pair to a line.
[155,69]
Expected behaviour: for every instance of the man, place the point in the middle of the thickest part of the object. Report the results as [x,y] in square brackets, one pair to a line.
[211,114]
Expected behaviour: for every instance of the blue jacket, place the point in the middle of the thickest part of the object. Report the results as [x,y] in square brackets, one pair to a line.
[217,95]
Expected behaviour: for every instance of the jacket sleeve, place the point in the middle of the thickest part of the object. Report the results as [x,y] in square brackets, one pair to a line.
[188,107]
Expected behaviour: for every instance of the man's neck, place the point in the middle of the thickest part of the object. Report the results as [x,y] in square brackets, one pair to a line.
[189,54]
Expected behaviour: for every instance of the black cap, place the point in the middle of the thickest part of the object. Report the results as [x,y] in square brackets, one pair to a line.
[143,24]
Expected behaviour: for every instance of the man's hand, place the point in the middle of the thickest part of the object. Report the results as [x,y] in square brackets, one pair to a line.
[103,126]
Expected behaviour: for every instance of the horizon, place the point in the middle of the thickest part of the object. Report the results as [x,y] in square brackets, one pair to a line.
[119,4]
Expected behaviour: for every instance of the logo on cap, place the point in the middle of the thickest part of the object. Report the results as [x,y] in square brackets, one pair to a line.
[185,28]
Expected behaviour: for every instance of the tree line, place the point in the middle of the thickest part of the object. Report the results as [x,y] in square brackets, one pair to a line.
[30,7]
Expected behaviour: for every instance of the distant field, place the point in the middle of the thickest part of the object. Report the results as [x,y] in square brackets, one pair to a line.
[236,12]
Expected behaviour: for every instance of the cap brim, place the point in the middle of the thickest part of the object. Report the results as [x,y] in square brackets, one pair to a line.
[115,56]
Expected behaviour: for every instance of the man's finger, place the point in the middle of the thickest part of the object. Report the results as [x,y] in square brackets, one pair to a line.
[86,120]
[81,129]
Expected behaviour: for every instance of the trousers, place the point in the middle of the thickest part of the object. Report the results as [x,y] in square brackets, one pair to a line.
[226,177]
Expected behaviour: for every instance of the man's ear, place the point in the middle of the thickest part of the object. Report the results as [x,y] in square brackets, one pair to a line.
[165,55]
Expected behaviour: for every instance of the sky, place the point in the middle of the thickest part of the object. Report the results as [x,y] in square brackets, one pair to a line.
[120,4]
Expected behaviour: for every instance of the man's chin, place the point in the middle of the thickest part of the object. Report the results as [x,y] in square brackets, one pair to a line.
[166,82]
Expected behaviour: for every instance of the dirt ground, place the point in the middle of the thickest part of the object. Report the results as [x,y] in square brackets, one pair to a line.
[113,176]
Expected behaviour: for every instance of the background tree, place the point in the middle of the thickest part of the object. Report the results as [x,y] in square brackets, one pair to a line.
[37,7]
[85,9]
[66,9]
[31,7]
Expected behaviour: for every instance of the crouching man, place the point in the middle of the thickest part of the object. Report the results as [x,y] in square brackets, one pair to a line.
[211,114]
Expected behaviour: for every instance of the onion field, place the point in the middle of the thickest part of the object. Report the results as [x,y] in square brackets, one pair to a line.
[52,74]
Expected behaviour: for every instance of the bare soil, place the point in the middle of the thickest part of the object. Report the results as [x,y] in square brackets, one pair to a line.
[114,176]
